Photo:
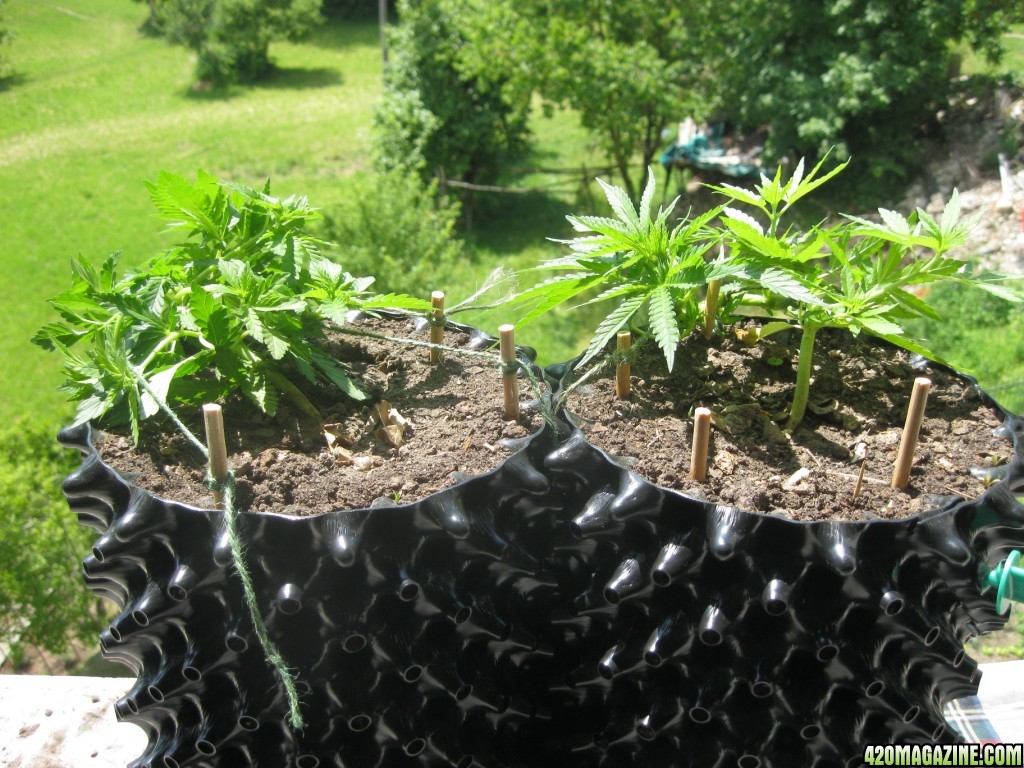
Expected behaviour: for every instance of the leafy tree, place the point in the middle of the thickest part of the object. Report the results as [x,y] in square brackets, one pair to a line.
[43,603]
[629,69]
[232,38]
[863,75]
[5,40]
[445,111]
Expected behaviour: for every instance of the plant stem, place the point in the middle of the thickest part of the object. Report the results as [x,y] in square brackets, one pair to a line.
[170,338]
[293,393]
[803,376]
[711,307]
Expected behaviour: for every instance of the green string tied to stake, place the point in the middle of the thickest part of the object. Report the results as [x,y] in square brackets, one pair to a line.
[1008,579]
[222,483]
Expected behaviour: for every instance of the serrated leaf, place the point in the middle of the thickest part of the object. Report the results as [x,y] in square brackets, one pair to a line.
[663,322]
[737,215]
[259,389]
[335,310]
[201,305]
[619,200]
[160,384]
[336,375]
[894,221]
[738,193]
[914,304]
[880,326]
[784,284]
[276,345]
[646,199]
[617,320]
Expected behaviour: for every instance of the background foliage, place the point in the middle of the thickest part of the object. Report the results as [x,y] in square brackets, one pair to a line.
[395,227]
[5,41]
[42,602]
[231,38]
[445,113]
[864,75]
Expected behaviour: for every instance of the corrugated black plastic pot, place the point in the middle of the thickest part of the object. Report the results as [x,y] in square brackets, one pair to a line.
[559,610]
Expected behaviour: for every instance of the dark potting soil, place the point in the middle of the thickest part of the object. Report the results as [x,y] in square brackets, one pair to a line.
[456,429]
[859,395]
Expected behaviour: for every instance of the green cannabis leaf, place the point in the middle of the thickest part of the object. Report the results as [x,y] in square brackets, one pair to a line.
[238,306]
[857,274]
[653,276]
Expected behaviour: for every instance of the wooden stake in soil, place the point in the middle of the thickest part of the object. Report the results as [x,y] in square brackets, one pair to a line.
[436,324]
[701,435]
[214,418]
[509,381]
[915,415]
[623,341]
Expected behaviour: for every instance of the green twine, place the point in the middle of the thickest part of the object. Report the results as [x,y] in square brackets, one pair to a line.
[274,659]
[227,488]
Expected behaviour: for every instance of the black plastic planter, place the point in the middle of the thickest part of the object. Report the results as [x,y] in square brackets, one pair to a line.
[559,610]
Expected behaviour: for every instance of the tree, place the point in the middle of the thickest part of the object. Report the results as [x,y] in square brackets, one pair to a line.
[232,38]
[863,75]
[445,111]
[5,40]
[629,69]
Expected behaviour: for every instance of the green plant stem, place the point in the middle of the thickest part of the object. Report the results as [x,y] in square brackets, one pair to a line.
[293,393]
[711,307]
[803,376]
[170,339]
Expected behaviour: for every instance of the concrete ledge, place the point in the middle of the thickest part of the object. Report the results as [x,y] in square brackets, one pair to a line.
[65,722]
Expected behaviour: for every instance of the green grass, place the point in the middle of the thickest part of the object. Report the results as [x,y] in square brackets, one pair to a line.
[1012,62]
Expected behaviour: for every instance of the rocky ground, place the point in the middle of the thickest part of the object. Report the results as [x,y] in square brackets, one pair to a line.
[977,130]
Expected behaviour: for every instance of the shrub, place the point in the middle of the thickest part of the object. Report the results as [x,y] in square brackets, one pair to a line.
[232,38]
[42,601]
[394,226]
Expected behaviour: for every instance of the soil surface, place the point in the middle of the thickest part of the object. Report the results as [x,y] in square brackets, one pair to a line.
[456,428]
[859,396]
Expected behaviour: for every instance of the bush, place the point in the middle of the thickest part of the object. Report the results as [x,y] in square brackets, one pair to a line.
[445,111]
[393,227]
[232,38]
[43,602]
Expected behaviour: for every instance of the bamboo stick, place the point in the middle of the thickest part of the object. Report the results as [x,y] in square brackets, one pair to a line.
[436,327]
[623,388]
[509,381]
[214,418]
[701,436]
[908,442]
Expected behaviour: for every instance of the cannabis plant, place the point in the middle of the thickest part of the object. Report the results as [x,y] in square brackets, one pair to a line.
[862,274]
[652,277]
[238,306]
